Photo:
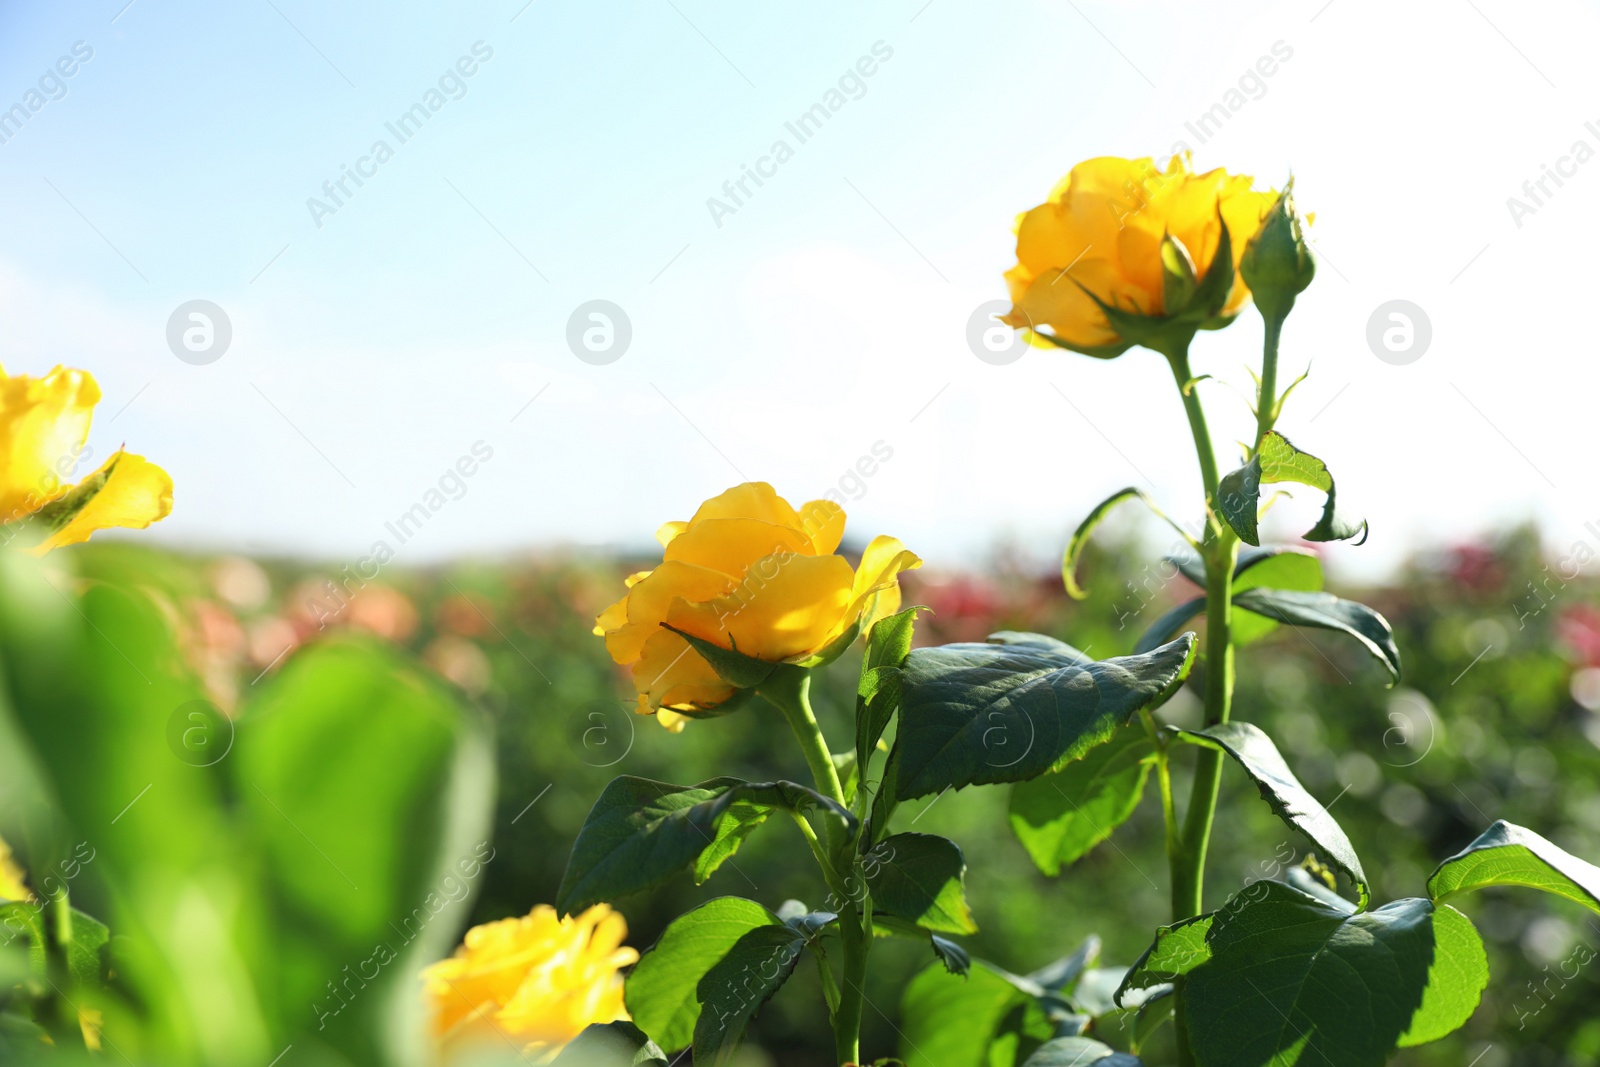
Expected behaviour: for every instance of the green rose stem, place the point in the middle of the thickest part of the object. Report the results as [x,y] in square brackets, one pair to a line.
[1220,551]
[789,690]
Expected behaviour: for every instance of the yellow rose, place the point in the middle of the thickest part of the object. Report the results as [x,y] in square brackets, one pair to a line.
[537,981]
[750,574]
[1101,233]
[44,423]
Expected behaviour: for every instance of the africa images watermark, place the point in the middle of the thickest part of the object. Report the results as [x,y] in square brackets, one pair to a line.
[452,889]
[353,577]
[1251,85]
[52,85]
[1538,191]
[803,128]
[406,126]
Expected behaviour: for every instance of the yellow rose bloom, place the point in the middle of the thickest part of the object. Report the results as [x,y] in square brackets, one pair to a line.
[1101,232]
[44,423]
[536,981]
[13,885]
[750,574]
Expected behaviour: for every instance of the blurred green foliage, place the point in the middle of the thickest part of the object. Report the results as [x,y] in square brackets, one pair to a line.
[1497,716]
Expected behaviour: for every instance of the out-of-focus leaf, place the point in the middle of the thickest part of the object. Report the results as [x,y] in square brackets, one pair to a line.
[1061,815]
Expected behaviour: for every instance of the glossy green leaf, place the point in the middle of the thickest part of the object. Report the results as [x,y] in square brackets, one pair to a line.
[1061,815]
[733,990]
[878,690]
[641,832]
[1239,493]
[1177,950]
[1254,751]
[1456,979]
[1325,611]
[1292,981]
[661,991]
[1508,854]
[974,714]
[1079,1052]
[921,878]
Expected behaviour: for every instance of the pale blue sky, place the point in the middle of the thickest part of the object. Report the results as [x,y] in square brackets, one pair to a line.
[827,312]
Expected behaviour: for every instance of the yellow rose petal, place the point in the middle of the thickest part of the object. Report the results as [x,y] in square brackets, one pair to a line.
[649,602]
[823,522]
[671,674]
[731,545]
[785,607]
[44,423]
[136,494]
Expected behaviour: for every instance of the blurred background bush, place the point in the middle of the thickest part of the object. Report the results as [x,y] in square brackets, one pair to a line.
[1498,716]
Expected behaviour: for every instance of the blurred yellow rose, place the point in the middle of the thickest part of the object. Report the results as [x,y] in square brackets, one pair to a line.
[13,885]
[1102,232]
[751,574]
[44,423]
[536,981]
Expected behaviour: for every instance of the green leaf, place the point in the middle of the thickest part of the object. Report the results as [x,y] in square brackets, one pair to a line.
[367,785]
[1177,950]
[952,955]
[660,992]
[736,986]
[1079,1052]
[878,691]
[21,918]
[975,714]
[1253,750]
[1328,612]
[1239,493]
[732,666]
[617,1044]
[947,1021]
[1061,815]
[1080,536]
[84,953]
[1456,980]
[1508,854]
[1065,972]
[1169,625]
[1277,567]
[920,878]
[641,832]
[1294,981]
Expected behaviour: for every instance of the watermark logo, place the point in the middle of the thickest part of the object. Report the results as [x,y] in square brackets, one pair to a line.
[1399,332]
[199,734]
[199,332]
[992,340]
[599,332]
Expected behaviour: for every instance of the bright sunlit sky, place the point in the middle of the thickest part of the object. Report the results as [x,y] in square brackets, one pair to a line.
[826,314]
